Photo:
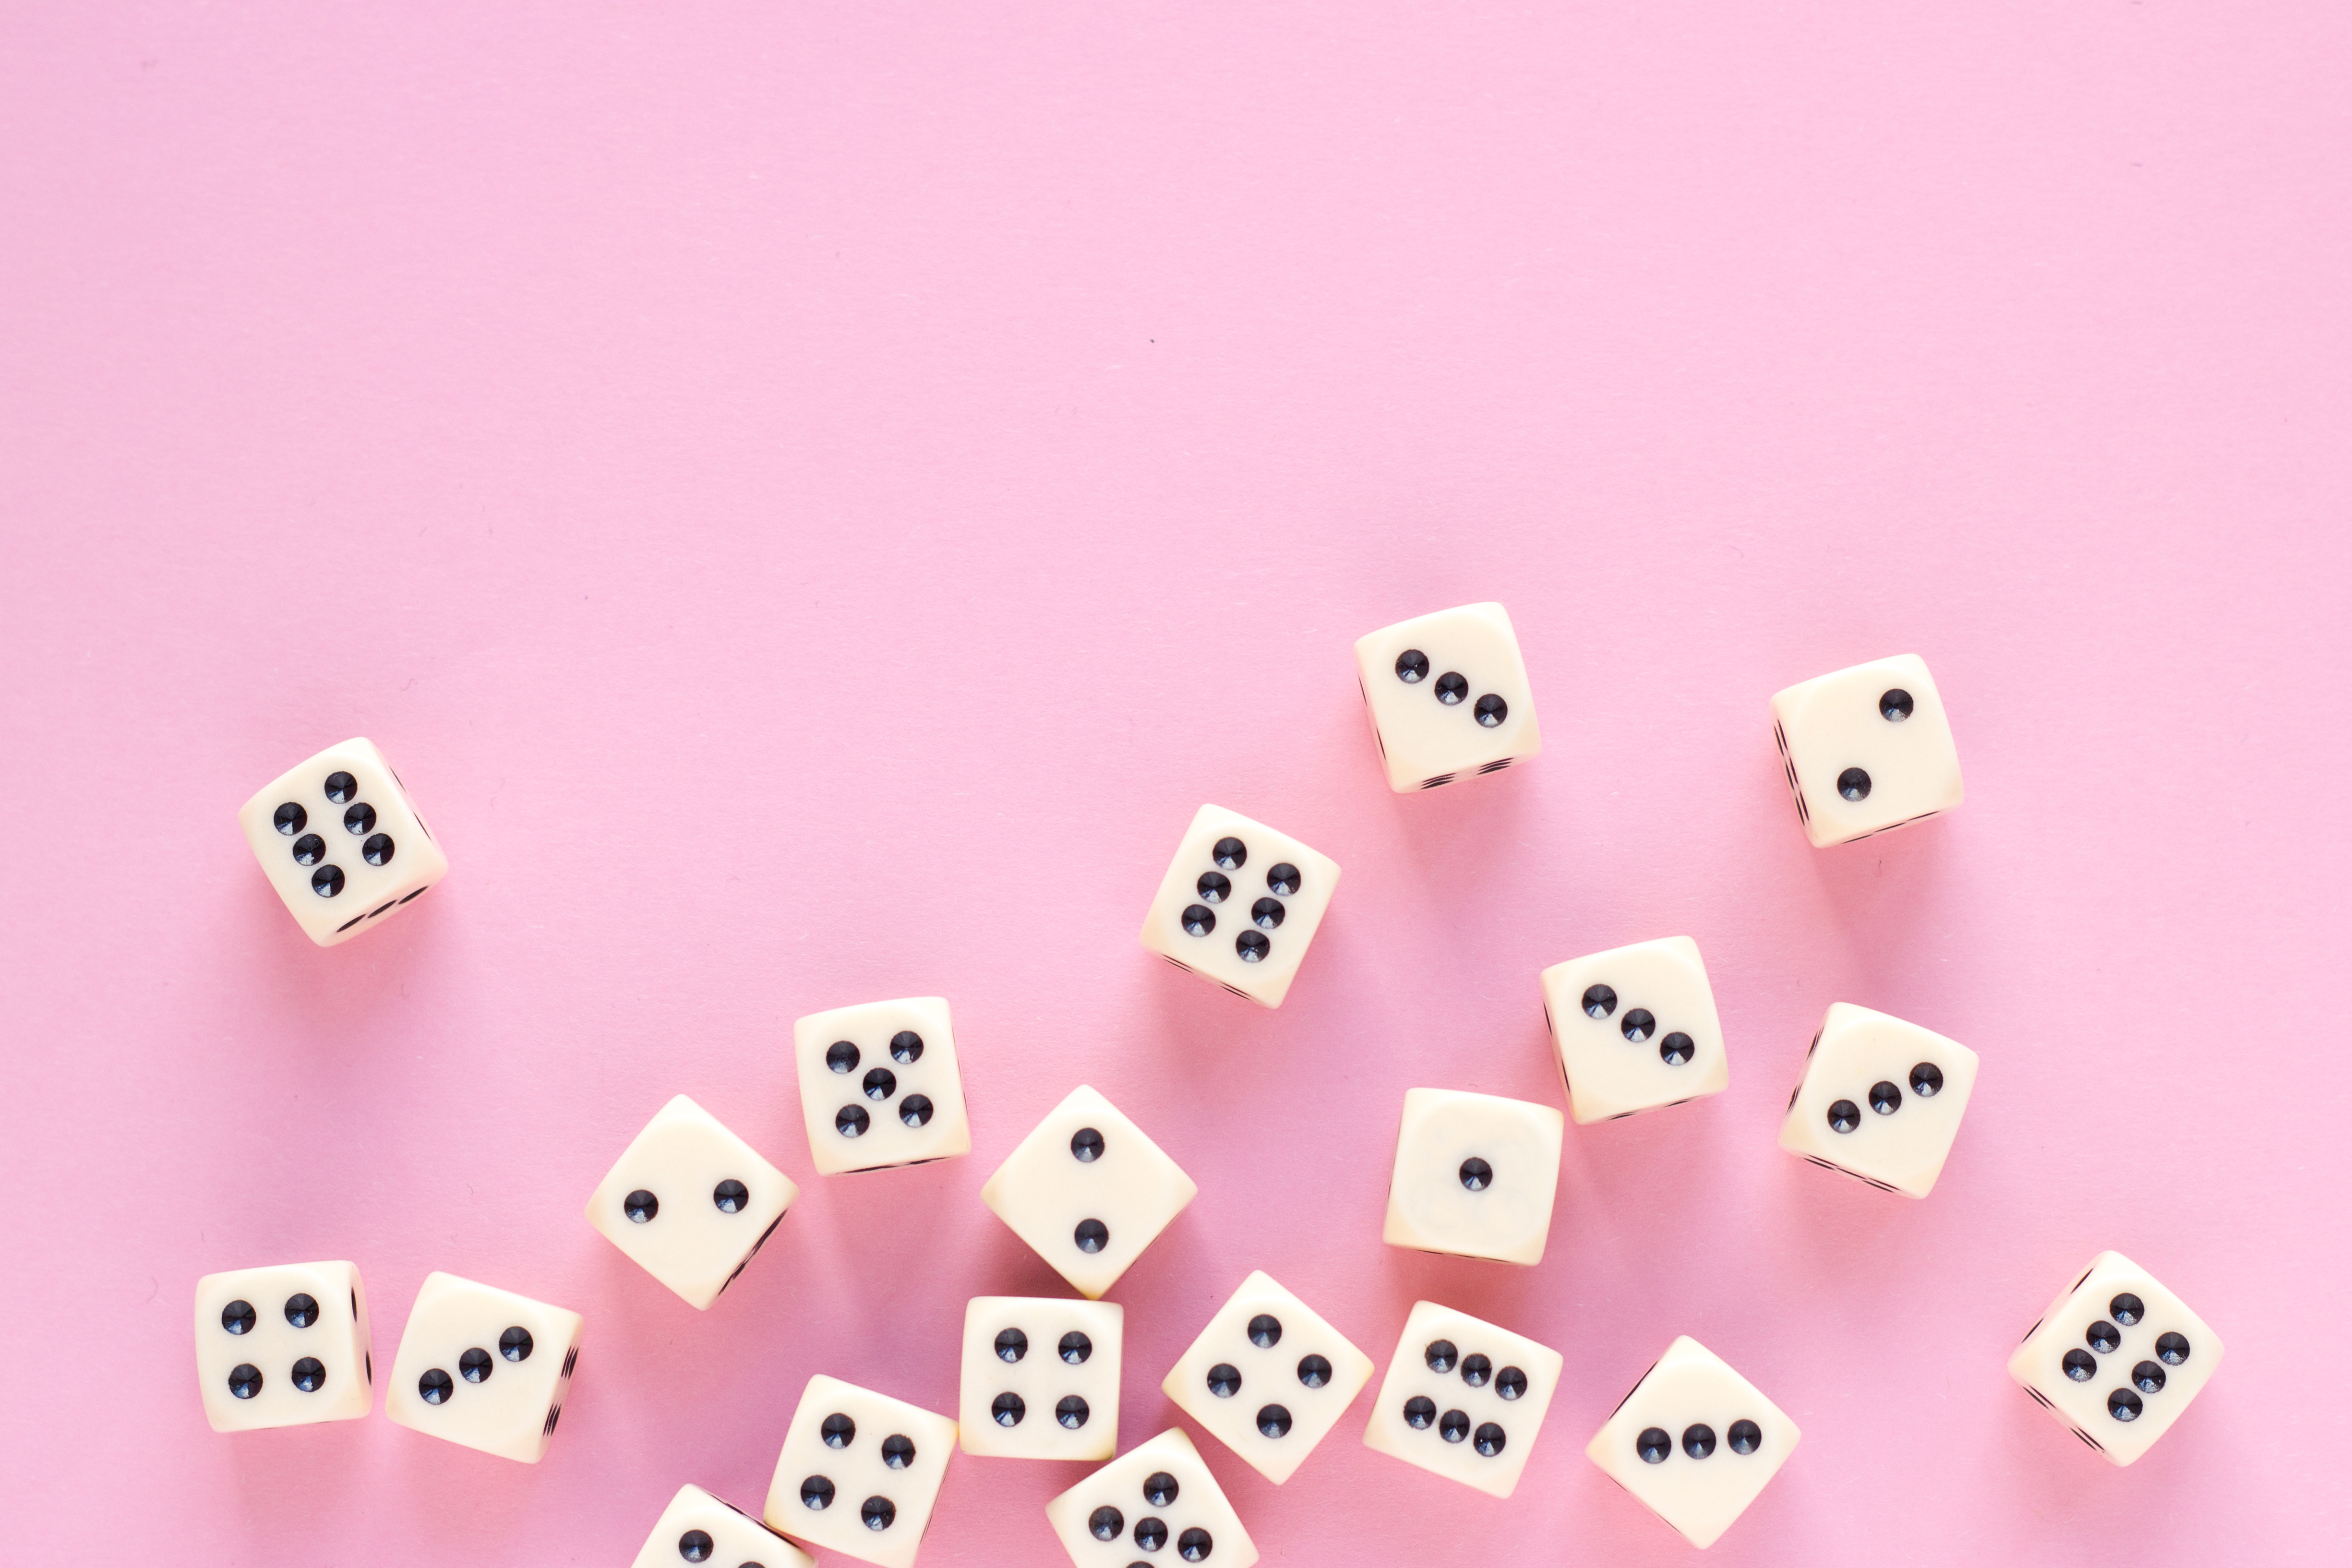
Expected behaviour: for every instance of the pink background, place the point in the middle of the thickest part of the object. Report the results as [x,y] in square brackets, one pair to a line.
[813,496]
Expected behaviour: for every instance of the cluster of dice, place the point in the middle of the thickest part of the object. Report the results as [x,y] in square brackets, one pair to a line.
[1635,1028]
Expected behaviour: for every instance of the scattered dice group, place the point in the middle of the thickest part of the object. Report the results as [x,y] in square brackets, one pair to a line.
[2117,1358]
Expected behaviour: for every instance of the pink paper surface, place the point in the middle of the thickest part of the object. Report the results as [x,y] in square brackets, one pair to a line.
[812,496]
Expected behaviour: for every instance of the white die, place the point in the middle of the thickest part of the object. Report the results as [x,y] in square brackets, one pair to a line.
[698,1528]
[1635,1028]
[283,1346]
[1157,1494]
[1447,695]
[1866,749]
[1475,1175]
[1268,1378]
[859,1472]
[1694,1441]
[690,1202]
[2117,1358]
[1879,1099]
[1464,1399]
[1088,1191]
[1040,1378]
[1240,905]
[483,1367]
[340,841]
[880,1085]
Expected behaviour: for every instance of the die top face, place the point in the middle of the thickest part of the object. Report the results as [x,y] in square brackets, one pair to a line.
[2117,1358]
[881,1086]
[690,1202]
[859,1472]
[1866,749]
[1475,1175]
[340,842]
[283,1346]
[1694,1441]
[1880,1099]
[1158,1496]
[1240,905]
[1463,1398]
[1040,1378]
[1088,1191]
[483,1367]
[1635,1028]
[1448,697]
[1268,1378]
[698,1528]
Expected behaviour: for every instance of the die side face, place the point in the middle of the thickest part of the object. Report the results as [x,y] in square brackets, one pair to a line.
[699,1528]
[1268,1378]
[859,1472]
[342,842]
[1040,1378]
[483,1367]
[880,1085]
[1448,698]
[283,1346]
[1463,1398]
[1159,1499]
[1475,1175]
[1240,905]
[2117,1358]
[1636,1028]
[1866,749]
[690,1202]
[1880,1100]
[1088,1191]
[1694,1441]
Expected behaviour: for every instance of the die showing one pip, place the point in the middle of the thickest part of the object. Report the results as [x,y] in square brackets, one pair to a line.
[1463,1398]
[340,841]
[859,1472]
[1155,1495]
[1268,1378]
[1866,749]
[283,1346]
[1694,1440]
[690,1202]
[1475,1176]
[2117,1358]
[880,1085]
[1240,905]
[1635,1028]
[1088,1191]
[483,1367]
[1879,1099]
[1040,1378]
[699,1528]
[1447,695]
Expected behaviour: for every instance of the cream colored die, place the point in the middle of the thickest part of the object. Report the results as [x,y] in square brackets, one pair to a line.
[283,1346]
[340,841]
[1635,1028]
[1268,1378]
[690,1202]
[1159,1494]
[1447,695]
[1694,1441]
[483,1367]
[1240,905]
[859,1472]
[880,1085]
[1464,1399]
[1475,1176]
[1088,1191]
[2117,1358]
[1040,1378]
[1879,1099]
[1866,749]
[698,1528]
